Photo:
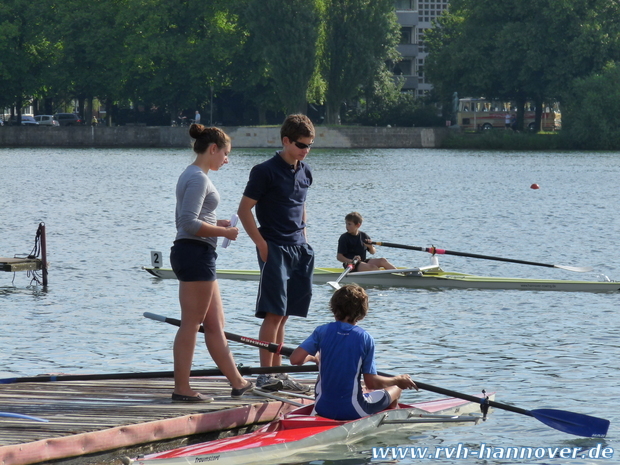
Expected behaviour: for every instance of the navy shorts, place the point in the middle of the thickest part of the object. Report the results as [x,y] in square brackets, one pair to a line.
[285,286]
[376,401]
[193,260]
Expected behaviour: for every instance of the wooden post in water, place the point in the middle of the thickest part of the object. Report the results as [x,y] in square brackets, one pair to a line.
[43,253]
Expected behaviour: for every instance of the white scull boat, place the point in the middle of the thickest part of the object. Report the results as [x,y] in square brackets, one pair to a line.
[300,432]
[429,277]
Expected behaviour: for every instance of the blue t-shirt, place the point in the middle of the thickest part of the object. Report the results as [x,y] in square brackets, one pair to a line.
[347,352]
[280,193]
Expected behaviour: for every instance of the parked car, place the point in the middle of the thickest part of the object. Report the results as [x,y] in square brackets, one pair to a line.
[68,119]
[46,120]
[27,120]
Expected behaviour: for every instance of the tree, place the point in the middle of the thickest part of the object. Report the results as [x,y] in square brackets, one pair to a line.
[474,51]
[590,117]
[177,51]
[284,35]
[520,49]
[90,51]
[360,36]
[25,50]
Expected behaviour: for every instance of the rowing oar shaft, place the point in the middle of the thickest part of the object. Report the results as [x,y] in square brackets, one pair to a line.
[448,392]
[269,346]
[159,374]
[287,351]
[568,422]
[336,284]
[435,250]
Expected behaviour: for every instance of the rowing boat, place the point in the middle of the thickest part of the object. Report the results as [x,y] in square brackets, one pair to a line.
[300,432]
[425,277]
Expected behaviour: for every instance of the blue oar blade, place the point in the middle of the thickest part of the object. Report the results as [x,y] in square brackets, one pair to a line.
[573,423]
[23,417]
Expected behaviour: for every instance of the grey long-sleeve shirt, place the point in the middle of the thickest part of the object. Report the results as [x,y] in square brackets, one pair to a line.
[197,200]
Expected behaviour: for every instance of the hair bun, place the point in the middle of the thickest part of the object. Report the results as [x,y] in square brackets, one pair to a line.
[206,135]
[196,130]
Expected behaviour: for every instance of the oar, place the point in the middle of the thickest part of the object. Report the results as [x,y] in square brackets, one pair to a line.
[336,284]
[562,420]
[280,398]
[22,417]
[246,371]
[270,346]
[435,250]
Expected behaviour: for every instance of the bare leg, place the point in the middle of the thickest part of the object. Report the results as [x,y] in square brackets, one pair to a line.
[272,330]
[216,340]
[362,266]
[381,263]
[277,358]
[197,299]
[394,392]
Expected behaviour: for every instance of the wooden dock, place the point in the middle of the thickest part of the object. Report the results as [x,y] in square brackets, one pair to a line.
[31,262]
[20,264]
[105,421]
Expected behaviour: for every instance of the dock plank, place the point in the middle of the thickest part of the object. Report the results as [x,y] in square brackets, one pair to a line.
[110,418]
[20,264]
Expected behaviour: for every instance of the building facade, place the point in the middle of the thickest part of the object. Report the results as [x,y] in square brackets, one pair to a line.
[415,17]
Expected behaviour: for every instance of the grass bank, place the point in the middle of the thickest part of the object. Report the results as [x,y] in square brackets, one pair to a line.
[503,140]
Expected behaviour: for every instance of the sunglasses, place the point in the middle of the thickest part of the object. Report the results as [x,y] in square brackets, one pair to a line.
[302,146]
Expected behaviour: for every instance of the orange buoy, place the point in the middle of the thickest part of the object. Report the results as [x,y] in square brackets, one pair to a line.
[534,186]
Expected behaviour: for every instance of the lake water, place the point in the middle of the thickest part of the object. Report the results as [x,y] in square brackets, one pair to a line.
[106,210]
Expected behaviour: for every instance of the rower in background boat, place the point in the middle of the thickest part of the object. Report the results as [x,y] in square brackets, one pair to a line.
[347,352]
[353,244]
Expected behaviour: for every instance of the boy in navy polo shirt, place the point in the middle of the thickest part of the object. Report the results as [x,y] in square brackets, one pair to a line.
[277,189]
[346,352]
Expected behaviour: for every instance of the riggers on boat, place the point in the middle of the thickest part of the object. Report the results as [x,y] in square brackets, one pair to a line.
[429,277]
[299,432]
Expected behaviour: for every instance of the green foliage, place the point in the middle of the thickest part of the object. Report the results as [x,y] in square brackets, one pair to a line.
[520,49]
[287,33]
[404,110]
[360,35]
[176,51]
[24,49]
[88,51]
[160,56]
[590,118]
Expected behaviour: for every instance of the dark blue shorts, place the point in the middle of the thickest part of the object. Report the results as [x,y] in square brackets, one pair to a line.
[285,286]
[193,260]
[376,401]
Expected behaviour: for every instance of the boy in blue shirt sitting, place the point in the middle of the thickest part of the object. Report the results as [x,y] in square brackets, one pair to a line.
[346,353]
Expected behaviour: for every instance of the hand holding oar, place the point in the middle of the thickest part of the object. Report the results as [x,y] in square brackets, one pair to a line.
[435,250]
[336,284]
[562,420]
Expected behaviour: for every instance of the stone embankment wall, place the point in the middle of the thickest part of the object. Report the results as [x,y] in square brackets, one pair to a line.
[242,137]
